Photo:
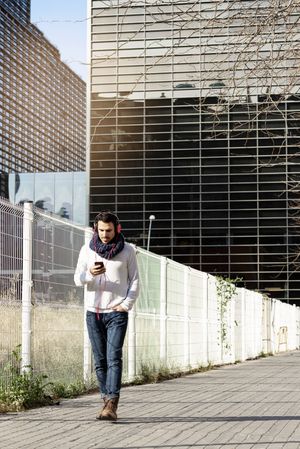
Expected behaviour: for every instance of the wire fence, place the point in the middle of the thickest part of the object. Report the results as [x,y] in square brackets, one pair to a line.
[11,234]
[183,318]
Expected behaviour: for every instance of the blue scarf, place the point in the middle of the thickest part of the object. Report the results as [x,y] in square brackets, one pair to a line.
[107,250]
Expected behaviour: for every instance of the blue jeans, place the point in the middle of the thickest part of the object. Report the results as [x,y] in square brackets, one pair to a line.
[107,333]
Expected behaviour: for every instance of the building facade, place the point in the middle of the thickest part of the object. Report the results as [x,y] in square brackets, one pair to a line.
[42,101]
[195,118]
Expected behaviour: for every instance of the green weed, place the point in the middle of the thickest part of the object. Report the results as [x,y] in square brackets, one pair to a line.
[150,373]
[22,390]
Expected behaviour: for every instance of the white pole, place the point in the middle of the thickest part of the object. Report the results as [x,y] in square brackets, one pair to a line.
[272,326]
[87,353]
[131,350]
[232,328]
[242,324]
[26,287]
[204,321]
[186,332]
[163,309]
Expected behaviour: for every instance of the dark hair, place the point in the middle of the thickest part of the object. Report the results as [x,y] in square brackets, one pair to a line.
[107,217]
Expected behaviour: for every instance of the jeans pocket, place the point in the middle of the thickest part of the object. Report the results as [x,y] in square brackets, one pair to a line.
[90,317]
[120,317]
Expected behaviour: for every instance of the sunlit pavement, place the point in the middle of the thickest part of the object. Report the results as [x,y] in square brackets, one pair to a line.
[255,404]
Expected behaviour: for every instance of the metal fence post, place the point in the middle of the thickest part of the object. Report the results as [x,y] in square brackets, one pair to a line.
[26,286]
[272,326]
[242,324]
[131,354]
[266,336]
[87,353]
[205,359]
[232,326]
[163,309]
[186,334]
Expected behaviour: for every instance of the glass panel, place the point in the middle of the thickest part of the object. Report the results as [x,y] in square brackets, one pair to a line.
[63,195]
[44,191]
[21,187]
[80,198]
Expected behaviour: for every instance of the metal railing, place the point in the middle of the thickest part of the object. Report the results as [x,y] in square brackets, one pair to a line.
[180,320]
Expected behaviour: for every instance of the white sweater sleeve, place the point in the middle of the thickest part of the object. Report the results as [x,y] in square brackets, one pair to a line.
[133,280]
[82,274]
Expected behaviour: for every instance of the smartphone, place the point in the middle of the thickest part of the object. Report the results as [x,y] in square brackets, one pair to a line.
[99,264]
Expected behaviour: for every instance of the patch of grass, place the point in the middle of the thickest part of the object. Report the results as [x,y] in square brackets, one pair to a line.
[264,354]
[150,373]
[22,390]
[62,390]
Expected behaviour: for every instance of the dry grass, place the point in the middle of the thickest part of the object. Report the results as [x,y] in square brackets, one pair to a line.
[57,339]
[10,329]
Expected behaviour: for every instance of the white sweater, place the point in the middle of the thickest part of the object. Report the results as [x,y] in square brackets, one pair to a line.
[119,284]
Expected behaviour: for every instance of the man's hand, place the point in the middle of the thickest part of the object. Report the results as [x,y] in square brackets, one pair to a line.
[119,308]
[95,270]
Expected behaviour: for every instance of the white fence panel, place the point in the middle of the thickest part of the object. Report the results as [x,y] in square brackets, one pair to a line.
[253,328]
[291,328]
[257,300]
[228,339]
[198,319]
[176,324]
[58,305]
[285,326]
[240,328]
[267,335]
[147,314]
[214,347]
[175,315]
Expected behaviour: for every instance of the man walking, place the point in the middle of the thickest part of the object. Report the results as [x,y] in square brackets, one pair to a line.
[108,267]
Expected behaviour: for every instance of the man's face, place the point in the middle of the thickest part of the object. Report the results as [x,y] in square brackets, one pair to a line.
[106,231]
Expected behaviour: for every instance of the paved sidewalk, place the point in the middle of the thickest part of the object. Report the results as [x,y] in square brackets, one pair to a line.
[255,404]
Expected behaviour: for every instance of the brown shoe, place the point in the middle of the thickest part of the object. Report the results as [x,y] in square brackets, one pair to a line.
[109,412]
[105,400]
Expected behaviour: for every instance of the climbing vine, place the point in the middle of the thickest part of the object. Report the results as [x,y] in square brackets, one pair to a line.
[226,290]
